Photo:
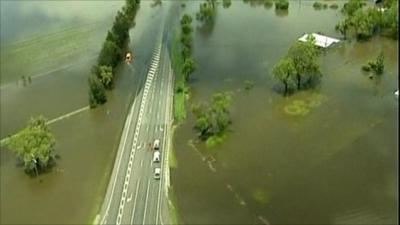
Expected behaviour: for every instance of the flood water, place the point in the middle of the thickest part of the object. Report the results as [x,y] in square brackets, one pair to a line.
[335,162]
[71,193]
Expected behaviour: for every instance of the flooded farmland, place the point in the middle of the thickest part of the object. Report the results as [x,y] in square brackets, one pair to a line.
[324,156]
[56,43]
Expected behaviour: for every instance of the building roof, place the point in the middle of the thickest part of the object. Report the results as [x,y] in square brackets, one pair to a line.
[320,40]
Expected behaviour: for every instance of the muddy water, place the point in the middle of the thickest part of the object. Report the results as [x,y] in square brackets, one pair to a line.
[86,143]
[326,156]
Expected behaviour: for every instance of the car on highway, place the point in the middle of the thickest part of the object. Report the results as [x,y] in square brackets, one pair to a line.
[156,144]
[157,172]
[156,156]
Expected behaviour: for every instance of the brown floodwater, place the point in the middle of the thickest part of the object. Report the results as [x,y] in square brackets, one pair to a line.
[72,191]
[322,156]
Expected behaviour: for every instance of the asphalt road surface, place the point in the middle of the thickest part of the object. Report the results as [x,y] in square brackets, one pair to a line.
[133,195]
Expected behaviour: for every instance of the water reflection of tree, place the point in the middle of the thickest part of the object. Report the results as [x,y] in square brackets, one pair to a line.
[156,3]
[281,13]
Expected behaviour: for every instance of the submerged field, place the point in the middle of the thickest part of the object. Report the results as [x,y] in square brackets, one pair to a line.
[322,156]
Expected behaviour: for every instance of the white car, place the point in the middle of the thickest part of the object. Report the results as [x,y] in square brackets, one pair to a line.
[157,173]
[156,156]
[156,144]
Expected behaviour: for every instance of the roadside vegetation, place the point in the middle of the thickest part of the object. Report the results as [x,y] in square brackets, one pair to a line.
[365,22]
[34,146]
[213,120]
[183,65]
[103,73]
[299,69]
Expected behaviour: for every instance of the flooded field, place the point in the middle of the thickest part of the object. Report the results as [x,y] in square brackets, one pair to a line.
[56,43]
[324,156]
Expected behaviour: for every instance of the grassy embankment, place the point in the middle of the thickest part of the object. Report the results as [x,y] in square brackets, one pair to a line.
[180,87]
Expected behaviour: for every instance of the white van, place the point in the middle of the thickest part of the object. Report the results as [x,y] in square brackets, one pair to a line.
[157,172]
[156,144]
[156,156]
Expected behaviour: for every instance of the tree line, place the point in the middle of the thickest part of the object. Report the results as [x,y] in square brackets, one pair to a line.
[299,69]
[103,73]
[364,22]
[189,65]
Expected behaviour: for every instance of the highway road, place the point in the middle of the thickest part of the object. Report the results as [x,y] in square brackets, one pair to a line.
[133,195]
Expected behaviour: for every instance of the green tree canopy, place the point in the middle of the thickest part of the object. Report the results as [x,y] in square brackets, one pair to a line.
[106,76]
[188,67]
[109,54]
[97,92]
[305,60]
[352,6]
[285,72]
[215,119]
[34,145]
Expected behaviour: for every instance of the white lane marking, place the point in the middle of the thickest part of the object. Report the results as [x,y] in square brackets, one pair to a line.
[158,115]
[145,204]
[141,163]
[134,204]
[161,129]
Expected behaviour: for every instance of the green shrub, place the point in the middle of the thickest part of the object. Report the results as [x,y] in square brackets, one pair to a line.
[281,4]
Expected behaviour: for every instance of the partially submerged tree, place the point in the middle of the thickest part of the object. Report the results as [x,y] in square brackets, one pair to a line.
[34,146]
[188,67]
[106,76]
[285,72]
[97,92]
[281,4]
[213,119]
[305,60]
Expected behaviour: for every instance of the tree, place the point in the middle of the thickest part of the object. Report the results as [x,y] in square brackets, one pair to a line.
[206,12]
[215,119]
[34,145]
[188,67]
[186,19]
[285,72]
[186,29]
[109,54]
[342,27]
[390,19]
[378,65]
[121,28]
[304,56]
[97,92]
[352,6]
[365,22]
[106,76]
[281,5]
